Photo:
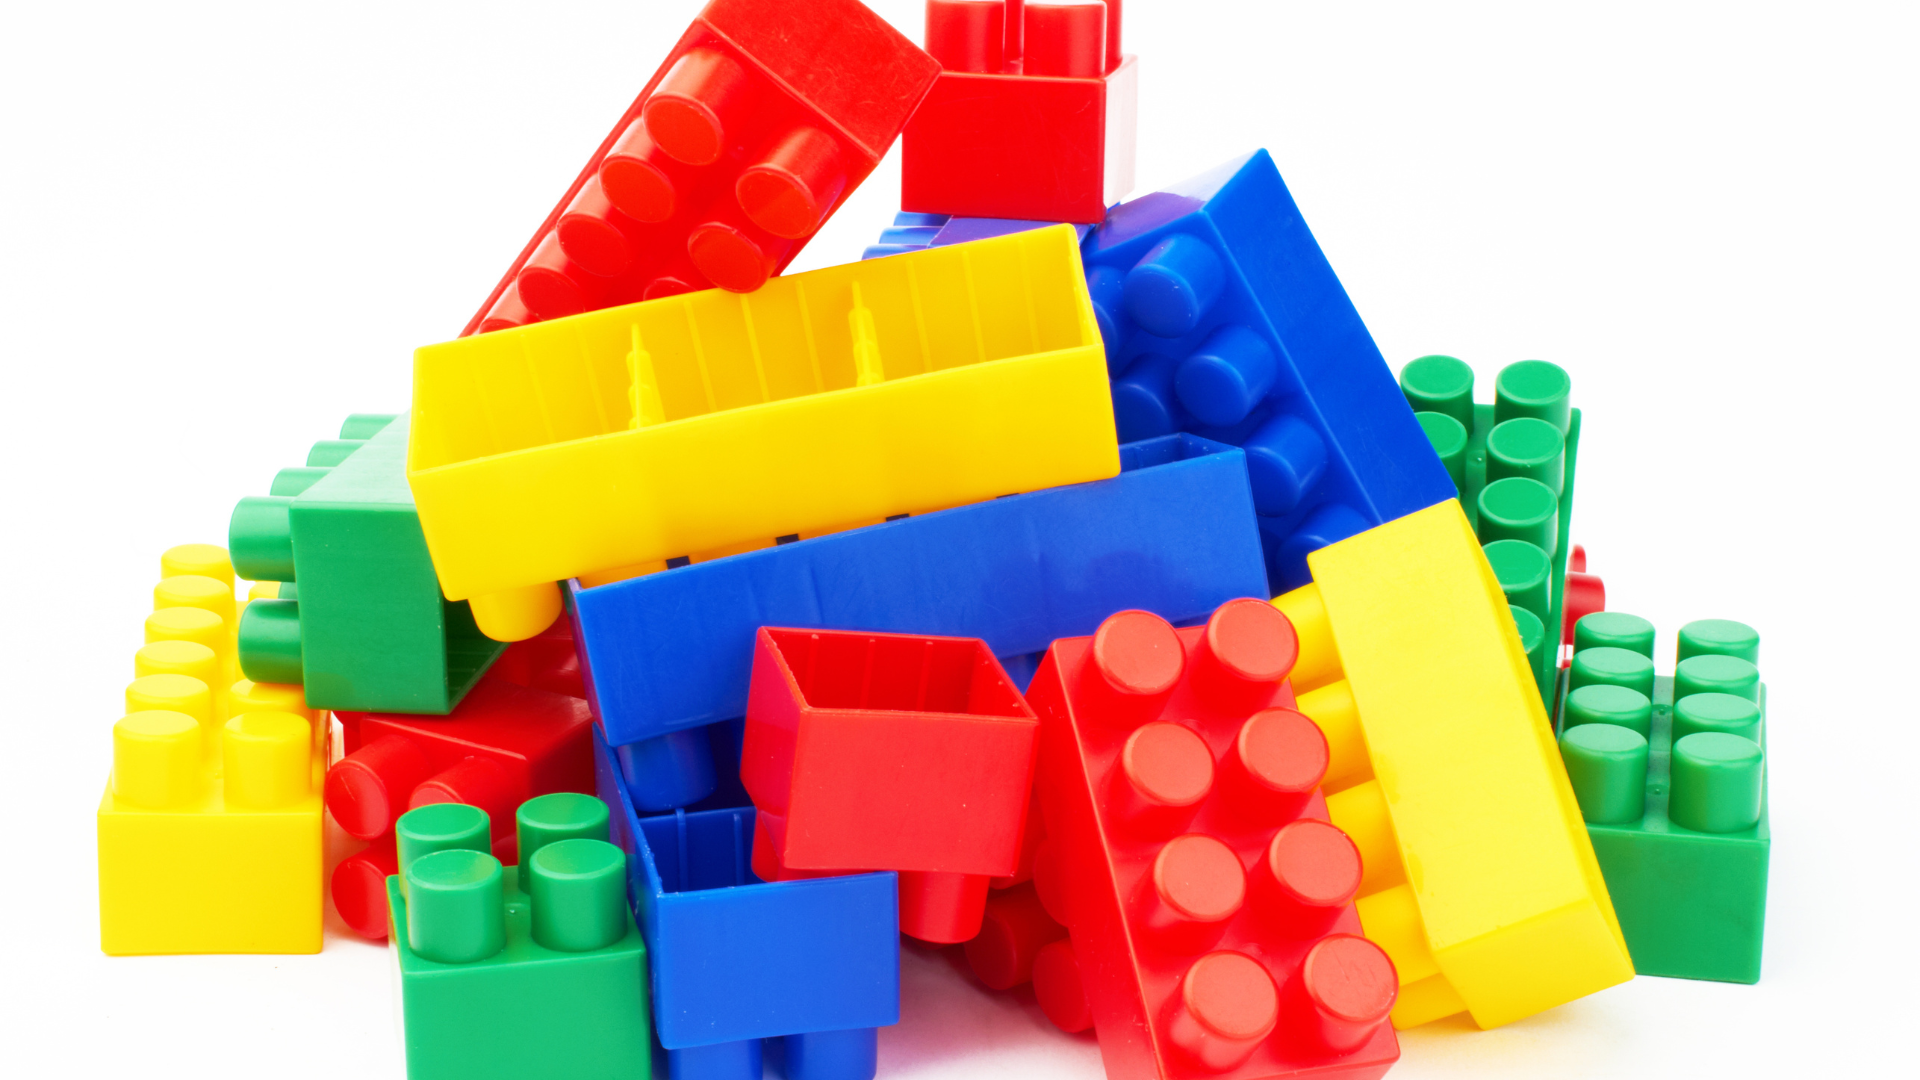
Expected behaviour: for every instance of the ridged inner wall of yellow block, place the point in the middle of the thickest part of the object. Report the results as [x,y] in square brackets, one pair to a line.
[712,351]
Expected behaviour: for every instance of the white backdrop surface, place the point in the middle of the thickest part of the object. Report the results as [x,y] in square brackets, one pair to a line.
[224,227]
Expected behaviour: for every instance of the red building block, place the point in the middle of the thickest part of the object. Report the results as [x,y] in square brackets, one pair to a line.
[1032,117]
[759,124]
[1209,901]
[1012,934]
[547,661]
[890,752]
[504,744]
[1585,594]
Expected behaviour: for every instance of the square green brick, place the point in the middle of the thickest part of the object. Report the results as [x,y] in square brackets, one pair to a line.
[1692,905]
[527,1012]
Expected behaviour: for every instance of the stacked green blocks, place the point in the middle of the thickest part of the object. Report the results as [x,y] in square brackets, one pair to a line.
[368,629]
[1670,774]
[1512,463]
[521,973]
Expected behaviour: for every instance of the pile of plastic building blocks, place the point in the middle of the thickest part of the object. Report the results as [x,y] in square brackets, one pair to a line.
[1070,582]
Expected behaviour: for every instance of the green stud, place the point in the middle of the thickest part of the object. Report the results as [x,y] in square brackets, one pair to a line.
[1529,447]
[1607,765]
[260,538]
[563,815]
[1611,667]
[439,827]
[1724,713]
[295,479]
[1524,573]
[1605,703]
[1717,783]
[577,892]
[1614,630]
[1533,388]
[1449,441]
[1719,637]
[1520,509]
[363,426]
[456,906]
[1711,674]
[269,638]
[1440,384]
[1533,634]
[333,451]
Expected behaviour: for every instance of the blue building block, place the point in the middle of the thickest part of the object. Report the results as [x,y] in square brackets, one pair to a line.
[1174,534]
[736,960]
[1222,318]
[912,232]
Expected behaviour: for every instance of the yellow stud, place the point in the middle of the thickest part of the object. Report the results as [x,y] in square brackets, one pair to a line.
[517,614]
[196,591]
[204,560]
[156,760]
[268,760]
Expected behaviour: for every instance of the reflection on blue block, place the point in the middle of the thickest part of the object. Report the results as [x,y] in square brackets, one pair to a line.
[1223,318]
[736,960]
[916,232]
[1174,533]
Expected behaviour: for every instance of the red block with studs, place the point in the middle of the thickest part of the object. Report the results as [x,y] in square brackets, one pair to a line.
[762,120]
[1585,594]
[1208,899]
[504,744]
[889,752]
[1033,115]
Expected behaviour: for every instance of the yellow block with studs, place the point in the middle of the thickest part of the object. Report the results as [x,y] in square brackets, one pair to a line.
[625,437]
[209,831]
[1480,881]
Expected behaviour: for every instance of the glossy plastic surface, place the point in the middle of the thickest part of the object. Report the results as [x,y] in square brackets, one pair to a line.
[825,400]
[1515,478]
[208,835]
[1681,832]
[1210,903]
[1173,534]
[1222,317]
[1481,882]
[736,959]
[890,752]
[369,630]
[760,122]
[520,1001]
[505,743]
[1032,116]
[916,232]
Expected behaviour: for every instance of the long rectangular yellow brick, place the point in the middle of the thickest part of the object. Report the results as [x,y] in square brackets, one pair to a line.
[1481,881]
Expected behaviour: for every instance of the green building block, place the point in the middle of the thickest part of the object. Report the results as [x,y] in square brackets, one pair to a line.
[368,629]
[1513,465]
[521,977]
[1679,825]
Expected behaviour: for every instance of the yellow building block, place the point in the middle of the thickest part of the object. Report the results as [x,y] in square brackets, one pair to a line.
[679,426]
[1480,881]
[209,831]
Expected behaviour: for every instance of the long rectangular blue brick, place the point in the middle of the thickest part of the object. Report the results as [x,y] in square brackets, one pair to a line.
[1223,318]
[1174,533]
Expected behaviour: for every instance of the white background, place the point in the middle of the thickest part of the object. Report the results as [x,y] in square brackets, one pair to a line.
[222,229]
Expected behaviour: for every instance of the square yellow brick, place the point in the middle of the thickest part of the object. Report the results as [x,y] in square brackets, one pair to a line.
[194,862]
[1480,880]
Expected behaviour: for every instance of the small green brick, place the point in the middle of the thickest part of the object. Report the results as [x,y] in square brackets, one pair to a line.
[372,631]
[1691,903]
[527,1011]
[1530,433]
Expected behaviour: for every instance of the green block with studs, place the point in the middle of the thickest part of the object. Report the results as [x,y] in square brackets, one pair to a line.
[1673,790]
[1513,464]
[534,972]
[368,629]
